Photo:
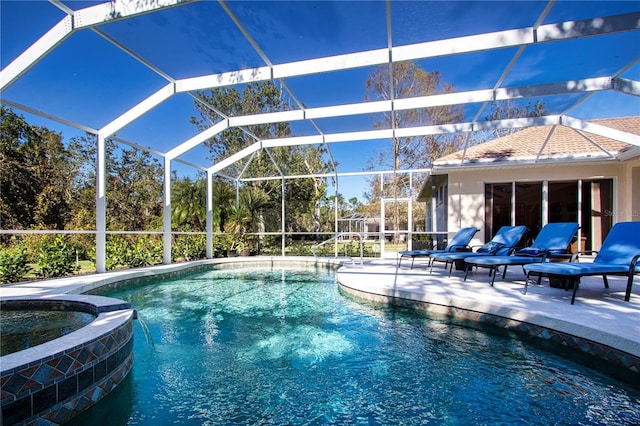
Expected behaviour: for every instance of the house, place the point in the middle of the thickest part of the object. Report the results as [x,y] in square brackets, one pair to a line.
[539,175]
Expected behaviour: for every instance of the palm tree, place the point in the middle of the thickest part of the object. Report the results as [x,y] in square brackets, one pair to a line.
[238,224]
[189,204]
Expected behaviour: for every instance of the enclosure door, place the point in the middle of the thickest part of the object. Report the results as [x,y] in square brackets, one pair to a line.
[395,221]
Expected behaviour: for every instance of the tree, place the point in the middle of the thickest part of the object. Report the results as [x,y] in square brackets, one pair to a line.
[405,80]
[189,203]
[36,174]
[354,204]
[83,198]
[133,182]
[505,110]
[302,195]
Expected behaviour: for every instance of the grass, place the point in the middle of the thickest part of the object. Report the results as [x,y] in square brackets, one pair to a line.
[86,267]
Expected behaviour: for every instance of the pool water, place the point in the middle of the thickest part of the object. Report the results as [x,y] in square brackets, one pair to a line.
[24,328]
[283,346]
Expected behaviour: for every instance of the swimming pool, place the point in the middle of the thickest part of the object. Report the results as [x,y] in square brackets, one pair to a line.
[283,346]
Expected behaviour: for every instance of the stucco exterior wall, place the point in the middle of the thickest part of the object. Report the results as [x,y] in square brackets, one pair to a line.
[466,188]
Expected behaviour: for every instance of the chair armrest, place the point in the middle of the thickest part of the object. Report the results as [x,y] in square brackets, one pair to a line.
[513,250]
[548,255]
[634,263]
[457,247]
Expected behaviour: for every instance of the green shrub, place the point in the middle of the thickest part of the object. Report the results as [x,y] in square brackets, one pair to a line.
[221,244]
[145,252]
[132,252]
[57,258]
[189,247]
[13,264]
[116,252]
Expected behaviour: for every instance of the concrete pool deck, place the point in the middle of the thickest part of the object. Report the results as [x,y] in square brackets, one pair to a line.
[599,315]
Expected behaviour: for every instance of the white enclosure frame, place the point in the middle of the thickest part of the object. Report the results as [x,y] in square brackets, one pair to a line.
[91,18]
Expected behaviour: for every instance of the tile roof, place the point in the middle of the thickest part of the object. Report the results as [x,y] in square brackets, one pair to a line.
[531,144]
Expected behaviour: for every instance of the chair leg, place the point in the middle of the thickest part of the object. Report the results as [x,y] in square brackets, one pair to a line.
[627,294]
[504,273]
[493,276]
[467,266]
[528,278]
[606,281]
[450,267]
[575,289]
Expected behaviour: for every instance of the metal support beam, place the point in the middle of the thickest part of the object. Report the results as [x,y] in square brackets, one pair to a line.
[627,86]
[38,50]
[209,237]
[137,111]
[83,18]
[283,238]
[101,206]
[119,9]
[198,139]
[598,129]
[418,51]
[336,216]
[166,228]
[235,157]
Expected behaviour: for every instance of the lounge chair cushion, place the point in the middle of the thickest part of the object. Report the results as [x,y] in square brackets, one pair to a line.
[490,247]
[531,251]
[621,245]
[615,255]
[460,240]
[576,269]
[502,260]
[554,237]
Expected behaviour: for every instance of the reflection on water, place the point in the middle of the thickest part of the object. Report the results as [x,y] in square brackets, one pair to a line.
[25,328]
[281,346]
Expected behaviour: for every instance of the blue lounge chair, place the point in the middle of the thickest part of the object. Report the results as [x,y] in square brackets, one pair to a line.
[618,255]
[460,241]
[505,240]
[552,241]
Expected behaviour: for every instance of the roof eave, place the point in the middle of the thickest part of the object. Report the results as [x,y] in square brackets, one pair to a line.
[629,154]
[550,160]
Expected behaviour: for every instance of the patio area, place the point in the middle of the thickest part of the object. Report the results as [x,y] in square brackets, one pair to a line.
[599,315]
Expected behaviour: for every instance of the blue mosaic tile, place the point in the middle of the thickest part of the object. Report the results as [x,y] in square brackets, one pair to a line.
[42,373]
[14,384]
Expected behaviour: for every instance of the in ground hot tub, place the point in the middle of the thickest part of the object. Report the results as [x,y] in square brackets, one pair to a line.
[25,328]
[62,354]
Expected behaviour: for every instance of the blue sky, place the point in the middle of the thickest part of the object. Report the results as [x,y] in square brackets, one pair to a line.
[89,81]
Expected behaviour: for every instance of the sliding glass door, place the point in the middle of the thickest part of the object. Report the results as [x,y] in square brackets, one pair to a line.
[521,203]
